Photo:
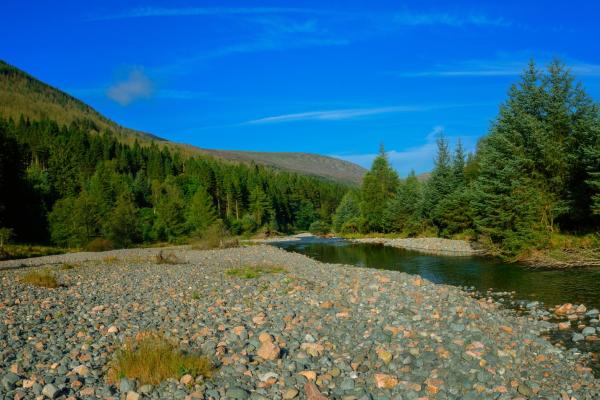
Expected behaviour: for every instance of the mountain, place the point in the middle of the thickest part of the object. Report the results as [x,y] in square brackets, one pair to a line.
[23,95]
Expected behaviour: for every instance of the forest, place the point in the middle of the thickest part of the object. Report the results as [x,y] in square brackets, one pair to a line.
[63,184]
[536,173]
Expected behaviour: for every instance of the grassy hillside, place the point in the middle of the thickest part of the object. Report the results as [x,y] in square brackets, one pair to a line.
[22,94]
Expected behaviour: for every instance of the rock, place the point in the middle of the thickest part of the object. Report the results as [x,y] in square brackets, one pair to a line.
[312,392]
[290,394]
[81,370]
[268,351]
[268,375]
[146,389]
[564,326]
[581,309]
[9,381]
[593,313]
[132,396]
[314,349]
[347,384]
[187,379]
[309,375]
[113,329]
[525,390]
[588,331]
[384,355]
[126,385]
[237,393]
[383,381]
[564,309]
[577,337]
[50,391]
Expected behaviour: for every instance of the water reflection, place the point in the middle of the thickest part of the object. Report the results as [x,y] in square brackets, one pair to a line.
[550,286]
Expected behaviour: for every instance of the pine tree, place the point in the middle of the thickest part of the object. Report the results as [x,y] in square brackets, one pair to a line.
[201,212]
[305,215]
[441,182]
[123,226]
[261,208]
[403,211]
[378,187]
[347,211]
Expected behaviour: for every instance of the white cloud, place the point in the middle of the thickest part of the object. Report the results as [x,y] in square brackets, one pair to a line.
[435,19]
[136,86]
[417,158]
[495,67]
[145,12]
[332,115]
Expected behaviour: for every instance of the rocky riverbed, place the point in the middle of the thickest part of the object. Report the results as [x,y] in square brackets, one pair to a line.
[437,246]
[313,331]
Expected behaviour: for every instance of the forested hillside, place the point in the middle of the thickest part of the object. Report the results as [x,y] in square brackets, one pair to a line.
[23,95]
[536,174]
[65,184]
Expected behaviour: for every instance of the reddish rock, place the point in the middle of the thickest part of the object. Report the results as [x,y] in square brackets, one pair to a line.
[383,381]
[312,392]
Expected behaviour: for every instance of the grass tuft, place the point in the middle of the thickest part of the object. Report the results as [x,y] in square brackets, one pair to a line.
[254,271]
[43,278]
[215,237]
[152,359]
[166,258]
[67,266]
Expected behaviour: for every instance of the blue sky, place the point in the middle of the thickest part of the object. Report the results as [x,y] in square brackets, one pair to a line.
[335,78]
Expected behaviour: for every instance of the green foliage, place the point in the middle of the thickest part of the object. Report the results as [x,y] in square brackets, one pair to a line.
[348,210]
[201,212]
[5,235]
[379,186]
[403,211]
[261,208]
[305,215]
[319,228]
[122,226]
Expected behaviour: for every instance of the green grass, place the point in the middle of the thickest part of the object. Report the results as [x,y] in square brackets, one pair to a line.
[152,359]
[254,271]
[18,251]
[41,278]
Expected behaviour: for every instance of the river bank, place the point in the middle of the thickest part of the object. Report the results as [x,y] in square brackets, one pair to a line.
[309,327]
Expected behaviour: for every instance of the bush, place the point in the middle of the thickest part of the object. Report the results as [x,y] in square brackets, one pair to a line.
[151,359]
[43,278]
[215,237]
[100,244]
[351,226]
[319,228]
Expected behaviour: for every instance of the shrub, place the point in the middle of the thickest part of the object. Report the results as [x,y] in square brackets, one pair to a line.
[319,228]
[166,258]
[215,237]
[254,271]
[43,278]
[151,359]
[100,244]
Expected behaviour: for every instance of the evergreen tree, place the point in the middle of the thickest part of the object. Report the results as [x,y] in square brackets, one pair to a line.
[441,182]
[201,212]
[378,187]
[403,211]
[122,227]
[348,210]
[305,215]
[261,209]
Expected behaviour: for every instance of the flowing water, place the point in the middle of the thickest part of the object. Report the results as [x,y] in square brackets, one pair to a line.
[550,286]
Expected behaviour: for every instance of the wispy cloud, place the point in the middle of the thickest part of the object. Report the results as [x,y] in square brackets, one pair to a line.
[145,12]
[417,158]
[136,86]
[332,115]
[407,18]
[494,68]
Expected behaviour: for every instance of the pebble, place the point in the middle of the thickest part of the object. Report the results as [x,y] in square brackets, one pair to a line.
[315,331]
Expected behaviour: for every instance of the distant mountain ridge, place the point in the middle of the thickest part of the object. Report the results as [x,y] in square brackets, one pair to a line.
[23,95]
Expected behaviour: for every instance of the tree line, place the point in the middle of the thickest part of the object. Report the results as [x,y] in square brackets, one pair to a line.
[64,184]
[536,172]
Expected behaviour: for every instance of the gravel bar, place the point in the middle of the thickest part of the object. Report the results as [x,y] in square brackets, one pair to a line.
[437,246]
[315,331]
